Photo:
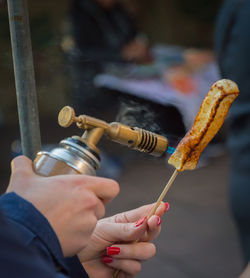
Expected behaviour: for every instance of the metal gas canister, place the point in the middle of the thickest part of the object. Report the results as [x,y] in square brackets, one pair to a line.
[72,156]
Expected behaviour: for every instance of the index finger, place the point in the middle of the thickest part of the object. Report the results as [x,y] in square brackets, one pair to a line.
[135,214]
[104,189]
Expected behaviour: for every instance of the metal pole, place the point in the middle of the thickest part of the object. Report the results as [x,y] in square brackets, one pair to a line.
[24,77]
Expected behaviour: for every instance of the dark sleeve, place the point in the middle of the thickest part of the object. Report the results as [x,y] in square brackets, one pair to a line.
[37,239]
[16,259]
[89,35]
[89,48]
[96,55]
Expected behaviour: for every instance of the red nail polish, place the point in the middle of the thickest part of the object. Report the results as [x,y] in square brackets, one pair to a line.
[113,250]
[107,260]
[159,221]
[167,206]
[140,222]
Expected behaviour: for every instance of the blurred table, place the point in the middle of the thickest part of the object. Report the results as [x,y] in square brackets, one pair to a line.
[152,82]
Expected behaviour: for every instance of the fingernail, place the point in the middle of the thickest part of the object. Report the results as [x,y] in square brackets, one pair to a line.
[140,222]
[107,260]
[113,250]
[167,206]
[159,220]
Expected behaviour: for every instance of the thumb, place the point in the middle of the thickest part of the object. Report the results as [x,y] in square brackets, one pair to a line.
[21,166]
[21,169]
[20,162]
[115,232]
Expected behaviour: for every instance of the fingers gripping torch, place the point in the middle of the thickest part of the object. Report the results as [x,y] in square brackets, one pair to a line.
[80,155]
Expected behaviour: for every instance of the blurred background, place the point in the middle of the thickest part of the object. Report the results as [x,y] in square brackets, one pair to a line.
[167,46]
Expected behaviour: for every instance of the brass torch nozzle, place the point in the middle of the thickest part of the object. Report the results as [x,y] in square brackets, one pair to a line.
[133,137]
[138,139]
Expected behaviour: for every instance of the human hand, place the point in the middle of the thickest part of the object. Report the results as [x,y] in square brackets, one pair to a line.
[71,203]
[112,243]
[136,51]
[246,272]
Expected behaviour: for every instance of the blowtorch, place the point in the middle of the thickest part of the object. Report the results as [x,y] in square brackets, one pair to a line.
[80,155]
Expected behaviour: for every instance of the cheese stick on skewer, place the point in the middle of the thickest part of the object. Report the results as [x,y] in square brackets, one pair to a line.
[208,121]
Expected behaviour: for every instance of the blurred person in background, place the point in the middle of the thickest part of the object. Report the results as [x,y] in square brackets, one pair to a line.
[103,31]
[232,44]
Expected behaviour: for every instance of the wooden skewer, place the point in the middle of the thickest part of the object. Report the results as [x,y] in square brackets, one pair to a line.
[163,194]
[152,212]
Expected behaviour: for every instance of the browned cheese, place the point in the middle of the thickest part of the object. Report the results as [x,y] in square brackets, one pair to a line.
[208,121]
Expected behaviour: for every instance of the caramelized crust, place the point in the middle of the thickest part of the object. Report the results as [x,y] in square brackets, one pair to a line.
[208,121]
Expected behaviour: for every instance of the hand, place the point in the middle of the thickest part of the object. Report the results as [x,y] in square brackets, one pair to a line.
[116,235]
[136,51]
[246,273]
[71,203]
